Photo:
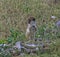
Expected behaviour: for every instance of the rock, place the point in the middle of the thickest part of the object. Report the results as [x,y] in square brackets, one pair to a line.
[1,45]
[28,51]
[30,46]
[58,23]
[18,45]
[53,17]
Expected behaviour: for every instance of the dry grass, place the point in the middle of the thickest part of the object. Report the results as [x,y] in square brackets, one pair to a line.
[14,14]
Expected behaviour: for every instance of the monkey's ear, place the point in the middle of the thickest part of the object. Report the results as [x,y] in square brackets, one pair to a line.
[29,20]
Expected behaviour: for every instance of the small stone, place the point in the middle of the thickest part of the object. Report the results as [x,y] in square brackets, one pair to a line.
[1,45]
[18,45]
[58,23]
[53,17]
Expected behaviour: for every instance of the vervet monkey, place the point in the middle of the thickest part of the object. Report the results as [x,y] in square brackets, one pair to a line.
[31,28]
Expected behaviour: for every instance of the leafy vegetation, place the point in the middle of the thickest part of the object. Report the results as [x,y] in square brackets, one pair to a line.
[13,22]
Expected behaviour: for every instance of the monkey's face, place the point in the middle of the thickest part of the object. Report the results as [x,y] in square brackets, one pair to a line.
[33,25]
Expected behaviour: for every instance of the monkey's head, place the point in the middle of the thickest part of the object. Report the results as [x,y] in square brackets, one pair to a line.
[32,22]
[30,19]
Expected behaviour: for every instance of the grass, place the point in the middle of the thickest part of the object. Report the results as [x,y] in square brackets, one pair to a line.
[14,15]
